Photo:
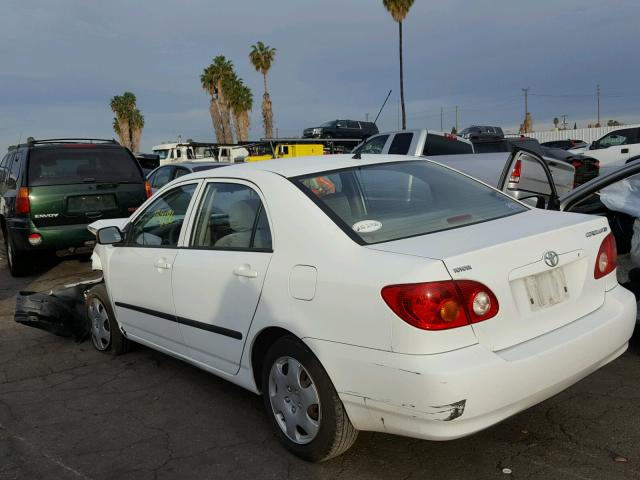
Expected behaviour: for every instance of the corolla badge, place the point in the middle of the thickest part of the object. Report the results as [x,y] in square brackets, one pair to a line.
[551,258]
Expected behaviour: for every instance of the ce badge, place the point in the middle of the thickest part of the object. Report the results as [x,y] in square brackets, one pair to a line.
[551,258]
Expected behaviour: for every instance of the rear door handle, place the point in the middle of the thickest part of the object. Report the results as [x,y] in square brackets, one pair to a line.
[624,150]
[162,264]
[245,271]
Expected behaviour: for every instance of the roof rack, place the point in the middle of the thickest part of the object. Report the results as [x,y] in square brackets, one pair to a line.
[50,141]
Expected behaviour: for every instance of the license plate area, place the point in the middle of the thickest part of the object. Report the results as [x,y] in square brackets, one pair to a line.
[546,289]
[91,203]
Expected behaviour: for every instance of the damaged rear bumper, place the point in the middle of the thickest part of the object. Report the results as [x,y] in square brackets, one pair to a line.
[60,311]
[453,394]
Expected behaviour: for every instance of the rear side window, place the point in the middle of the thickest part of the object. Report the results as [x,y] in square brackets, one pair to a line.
[401,143]
[231,216]
[67,166]
[442,145]
[384,202]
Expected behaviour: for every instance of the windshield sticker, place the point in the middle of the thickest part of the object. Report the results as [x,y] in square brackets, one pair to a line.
[367,226]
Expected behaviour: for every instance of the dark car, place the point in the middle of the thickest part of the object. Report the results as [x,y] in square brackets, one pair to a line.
[481,131]
[342,129]
[51,189]
[566,144]
[162,175]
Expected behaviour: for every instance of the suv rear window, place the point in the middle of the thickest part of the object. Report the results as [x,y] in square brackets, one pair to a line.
[385,202]
[66,166]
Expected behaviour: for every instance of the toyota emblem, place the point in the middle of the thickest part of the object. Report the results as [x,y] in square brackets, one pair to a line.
[551,258]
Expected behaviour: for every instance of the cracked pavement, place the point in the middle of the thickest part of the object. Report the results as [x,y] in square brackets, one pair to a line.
[70,412]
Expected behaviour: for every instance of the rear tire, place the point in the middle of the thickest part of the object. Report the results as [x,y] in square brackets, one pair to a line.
[302,404]
[103,326]
[19,265]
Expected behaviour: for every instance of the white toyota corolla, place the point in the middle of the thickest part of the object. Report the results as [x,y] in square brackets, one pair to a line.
[374,293]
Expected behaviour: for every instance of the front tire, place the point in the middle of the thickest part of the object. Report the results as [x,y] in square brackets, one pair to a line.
[302,404]
[103,327]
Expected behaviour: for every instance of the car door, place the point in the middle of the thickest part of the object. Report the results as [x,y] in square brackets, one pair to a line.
[615,147]
[140,270]
[218,278]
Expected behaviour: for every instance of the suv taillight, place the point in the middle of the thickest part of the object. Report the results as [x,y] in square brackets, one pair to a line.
[147,189]
[607,258]
[517,171]
[22,201]
[441,305]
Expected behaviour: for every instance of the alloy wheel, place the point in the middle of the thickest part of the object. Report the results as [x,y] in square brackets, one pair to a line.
[294,400]
[100,328]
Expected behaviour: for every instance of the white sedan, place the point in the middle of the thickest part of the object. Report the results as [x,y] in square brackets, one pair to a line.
[374,293]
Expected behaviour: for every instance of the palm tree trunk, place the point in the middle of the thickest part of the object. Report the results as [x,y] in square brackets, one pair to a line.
[247,124]
[267,116]
[404,114]
[216,120]
[237,123]
[125,138]
[267,110]
[225,114]
[135,139]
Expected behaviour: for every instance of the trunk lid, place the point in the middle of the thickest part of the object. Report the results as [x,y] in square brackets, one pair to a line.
[531,294]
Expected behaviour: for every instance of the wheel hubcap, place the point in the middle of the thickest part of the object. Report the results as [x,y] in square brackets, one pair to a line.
[100,330]
[294,400]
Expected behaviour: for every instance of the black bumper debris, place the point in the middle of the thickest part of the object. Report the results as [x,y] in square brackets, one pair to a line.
[61,312]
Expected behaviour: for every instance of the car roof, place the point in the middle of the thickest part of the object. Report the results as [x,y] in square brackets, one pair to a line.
[293,167]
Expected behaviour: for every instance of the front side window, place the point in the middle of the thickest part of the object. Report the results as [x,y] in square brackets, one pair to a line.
[161,222]
[352,124]
[374,145]
[621,137]
[384,202]
[162,154]
[231,216]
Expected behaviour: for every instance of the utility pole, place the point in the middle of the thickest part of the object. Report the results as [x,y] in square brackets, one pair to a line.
[457,119]
[564,122]
[598,95]
[441,119]
[366,117]
[526,110]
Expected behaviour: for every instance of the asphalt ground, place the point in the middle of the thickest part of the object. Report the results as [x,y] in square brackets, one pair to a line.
[70,412]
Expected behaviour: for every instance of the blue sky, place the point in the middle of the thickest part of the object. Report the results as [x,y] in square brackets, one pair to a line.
[62,61]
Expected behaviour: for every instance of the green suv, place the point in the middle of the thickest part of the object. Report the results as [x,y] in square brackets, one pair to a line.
[50,190]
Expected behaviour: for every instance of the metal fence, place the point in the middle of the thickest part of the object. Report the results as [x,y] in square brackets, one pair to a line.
[586,134]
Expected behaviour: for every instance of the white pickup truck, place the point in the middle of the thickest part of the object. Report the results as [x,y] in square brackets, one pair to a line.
[526,176]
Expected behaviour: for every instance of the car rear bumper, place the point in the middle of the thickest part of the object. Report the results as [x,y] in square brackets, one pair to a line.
[64,238]
[450,395]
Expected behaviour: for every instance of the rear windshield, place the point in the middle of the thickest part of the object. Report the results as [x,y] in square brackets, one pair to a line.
[390,201]
[66,166]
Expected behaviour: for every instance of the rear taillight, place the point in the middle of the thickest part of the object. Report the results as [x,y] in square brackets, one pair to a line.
[147,189]
[441,305]
[515,174]
[576,163]
[607,257]
[22,200]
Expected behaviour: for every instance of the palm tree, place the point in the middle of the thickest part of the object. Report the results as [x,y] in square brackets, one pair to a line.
[241,103]
[399,10]
[262,57]
[212,80]
[128,122]
[209,84]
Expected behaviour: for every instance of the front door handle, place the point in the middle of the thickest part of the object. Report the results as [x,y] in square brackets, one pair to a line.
[245,271]
[624,150]
[162,264]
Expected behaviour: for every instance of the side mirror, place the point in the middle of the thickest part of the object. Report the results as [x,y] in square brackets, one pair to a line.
[109,236]
[593,146]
